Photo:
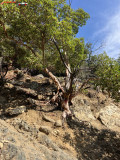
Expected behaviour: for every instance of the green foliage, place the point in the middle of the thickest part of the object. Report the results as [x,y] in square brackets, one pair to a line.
[118,60]
[107,72]
[36,24]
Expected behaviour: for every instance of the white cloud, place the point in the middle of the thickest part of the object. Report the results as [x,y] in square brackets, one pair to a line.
[110,34]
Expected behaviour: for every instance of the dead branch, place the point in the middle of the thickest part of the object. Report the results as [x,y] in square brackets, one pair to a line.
[84,83]
[63,61]
[55,80]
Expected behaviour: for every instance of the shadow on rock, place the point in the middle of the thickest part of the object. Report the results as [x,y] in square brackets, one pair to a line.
[93,144]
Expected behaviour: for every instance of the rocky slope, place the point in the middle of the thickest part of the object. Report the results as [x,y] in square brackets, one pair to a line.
[32,130]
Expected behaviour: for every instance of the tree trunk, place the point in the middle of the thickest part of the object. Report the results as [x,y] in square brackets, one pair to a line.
[66,108]
[1,61]
[43,52]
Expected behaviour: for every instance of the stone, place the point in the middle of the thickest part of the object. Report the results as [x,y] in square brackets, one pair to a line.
[58,123]
[45,140]
[19,73]
[110,116]
[40,97]
[1,145]
[82,112]
[34,104]
[26,91]
[45,129]
[20,124]
[56,133]
[39,76]
[15,111]
[47,119]
[9,86]
[28,80]
[27,147]
[11,151]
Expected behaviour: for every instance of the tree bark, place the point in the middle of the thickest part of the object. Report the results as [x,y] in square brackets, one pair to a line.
[55,80]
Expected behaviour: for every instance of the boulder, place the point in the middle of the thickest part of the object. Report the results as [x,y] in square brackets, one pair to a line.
[82,111]
[110,116]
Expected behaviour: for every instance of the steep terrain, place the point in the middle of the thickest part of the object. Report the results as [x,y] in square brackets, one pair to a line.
[31,128]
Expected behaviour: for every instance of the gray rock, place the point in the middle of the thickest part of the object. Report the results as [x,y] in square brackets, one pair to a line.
[26,91]
[34,102]
[110,116]
[45,140]
[15,111]
[26,147]
[47,119]
[58,123]
[39,76]
[82,112]
[10,151]
[22,125]
[45,129]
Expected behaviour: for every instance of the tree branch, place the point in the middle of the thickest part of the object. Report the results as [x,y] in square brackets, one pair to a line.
[18,42]
[55,80]
[61,56]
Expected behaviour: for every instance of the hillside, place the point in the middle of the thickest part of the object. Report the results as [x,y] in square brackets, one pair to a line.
[31,128]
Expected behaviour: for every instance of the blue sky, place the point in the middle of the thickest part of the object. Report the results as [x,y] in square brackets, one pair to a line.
[104,25]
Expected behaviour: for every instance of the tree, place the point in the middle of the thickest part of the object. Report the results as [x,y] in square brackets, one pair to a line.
[43,29]
[118,60]
[107,74]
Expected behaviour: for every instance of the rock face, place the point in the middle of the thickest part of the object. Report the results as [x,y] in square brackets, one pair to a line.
[110,116]
[17,146]
[82,111]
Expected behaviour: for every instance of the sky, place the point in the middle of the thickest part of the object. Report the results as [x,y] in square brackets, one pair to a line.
[103,27]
